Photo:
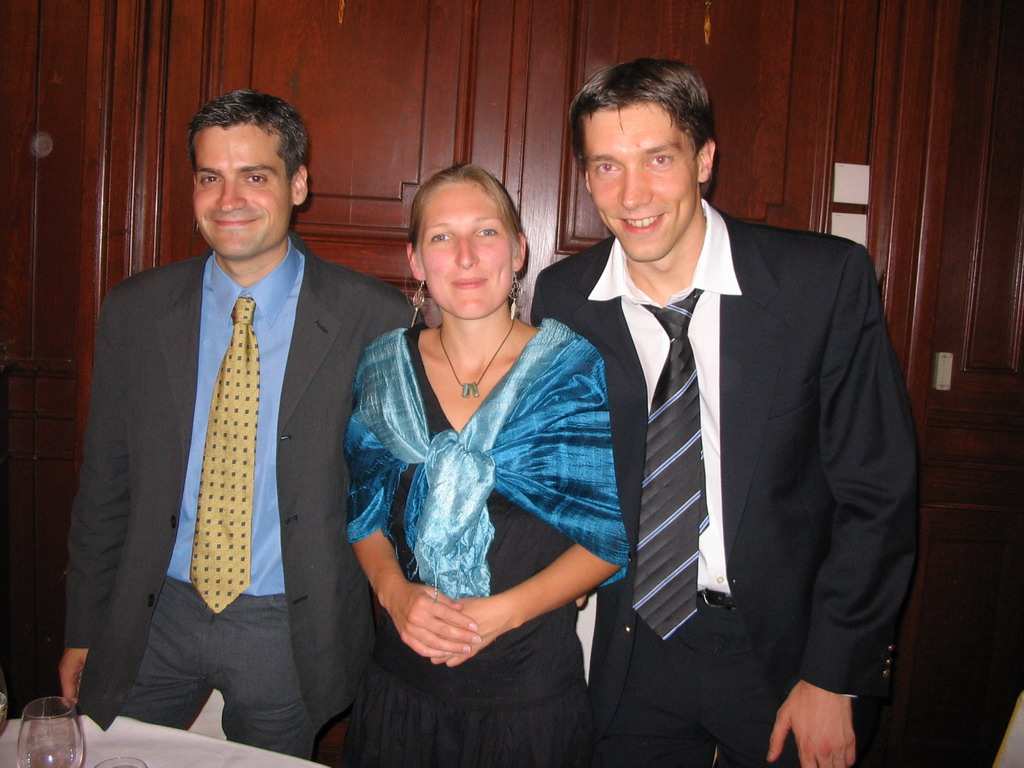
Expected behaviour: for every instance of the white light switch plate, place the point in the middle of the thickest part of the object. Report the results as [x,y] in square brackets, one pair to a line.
[852,183]
[852,226]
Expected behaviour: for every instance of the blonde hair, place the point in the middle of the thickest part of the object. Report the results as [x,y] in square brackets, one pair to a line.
[465,173]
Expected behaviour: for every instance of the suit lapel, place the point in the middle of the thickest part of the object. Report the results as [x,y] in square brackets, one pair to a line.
[607,330]
[751,349]
[604,321]
[316,328]
[178,328]
[604,325]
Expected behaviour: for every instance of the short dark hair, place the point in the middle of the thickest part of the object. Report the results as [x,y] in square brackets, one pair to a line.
[672,85]
[270,114]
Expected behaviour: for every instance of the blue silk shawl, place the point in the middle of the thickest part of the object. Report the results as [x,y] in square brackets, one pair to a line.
[541,438]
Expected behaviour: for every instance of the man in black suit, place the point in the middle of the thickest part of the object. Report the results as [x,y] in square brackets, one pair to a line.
[806,486]
[143,638]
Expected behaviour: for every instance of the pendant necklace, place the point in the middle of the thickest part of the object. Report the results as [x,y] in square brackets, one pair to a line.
[470,387]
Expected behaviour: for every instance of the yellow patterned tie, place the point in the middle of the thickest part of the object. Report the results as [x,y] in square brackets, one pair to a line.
[221,551]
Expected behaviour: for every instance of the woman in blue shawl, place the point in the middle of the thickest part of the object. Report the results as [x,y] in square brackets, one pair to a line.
[483,504]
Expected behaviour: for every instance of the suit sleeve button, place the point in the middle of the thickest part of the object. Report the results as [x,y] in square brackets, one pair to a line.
[151,600]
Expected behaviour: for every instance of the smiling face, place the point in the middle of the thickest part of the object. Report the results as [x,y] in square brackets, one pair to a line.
[242,199]
[645,179]
[466,252]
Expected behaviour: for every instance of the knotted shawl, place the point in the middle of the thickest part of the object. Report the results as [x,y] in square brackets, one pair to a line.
[541,438]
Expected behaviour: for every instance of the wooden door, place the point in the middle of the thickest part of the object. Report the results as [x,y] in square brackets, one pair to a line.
[962,648]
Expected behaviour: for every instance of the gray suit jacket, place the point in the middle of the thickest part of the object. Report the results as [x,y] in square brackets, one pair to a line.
[136,449]
[818,458]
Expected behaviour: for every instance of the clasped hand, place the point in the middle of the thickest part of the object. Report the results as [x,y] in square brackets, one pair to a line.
[434,627]
[444,630]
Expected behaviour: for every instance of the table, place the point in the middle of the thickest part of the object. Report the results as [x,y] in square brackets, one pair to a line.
[159,747]
[1011,753]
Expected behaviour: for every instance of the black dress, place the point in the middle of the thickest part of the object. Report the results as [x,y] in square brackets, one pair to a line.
[519,702]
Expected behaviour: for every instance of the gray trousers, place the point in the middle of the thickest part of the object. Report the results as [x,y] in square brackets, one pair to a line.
[245,652]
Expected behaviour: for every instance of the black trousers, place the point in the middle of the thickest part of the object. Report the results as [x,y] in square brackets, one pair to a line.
[700,691]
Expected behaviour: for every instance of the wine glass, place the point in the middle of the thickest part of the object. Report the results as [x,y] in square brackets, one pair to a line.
[50,736]
[3,700]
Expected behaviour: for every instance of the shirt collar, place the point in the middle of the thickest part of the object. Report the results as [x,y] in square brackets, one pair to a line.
[269,293]
[714,272]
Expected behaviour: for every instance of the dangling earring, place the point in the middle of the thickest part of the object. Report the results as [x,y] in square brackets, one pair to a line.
[513,296]
[417,301]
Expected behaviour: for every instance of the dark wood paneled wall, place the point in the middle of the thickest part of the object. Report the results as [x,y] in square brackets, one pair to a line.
[962,643]
[97,95]
[43,160]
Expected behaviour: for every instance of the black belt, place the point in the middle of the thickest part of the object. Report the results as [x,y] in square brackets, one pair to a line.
[717,599]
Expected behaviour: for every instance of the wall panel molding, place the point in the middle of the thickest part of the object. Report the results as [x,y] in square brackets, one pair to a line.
[993,341]
[946,79]
[44,95]
[962,546]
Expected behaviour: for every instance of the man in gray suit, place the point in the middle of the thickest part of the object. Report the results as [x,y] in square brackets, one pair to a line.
[142,639]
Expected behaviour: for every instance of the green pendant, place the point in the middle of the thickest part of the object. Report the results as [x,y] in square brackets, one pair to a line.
[469,388]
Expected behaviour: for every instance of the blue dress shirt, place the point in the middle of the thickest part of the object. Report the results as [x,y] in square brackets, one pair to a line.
[276,297]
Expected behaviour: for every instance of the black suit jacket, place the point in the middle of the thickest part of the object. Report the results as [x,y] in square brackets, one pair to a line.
[136,450]
[818,458]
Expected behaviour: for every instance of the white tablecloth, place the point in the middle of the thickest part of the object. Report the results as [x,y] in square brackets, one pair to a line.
[1011,753]
[158,747]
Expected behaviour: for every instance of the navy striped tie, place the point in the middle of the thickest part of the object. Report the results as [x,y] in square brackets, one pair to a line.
[672,508]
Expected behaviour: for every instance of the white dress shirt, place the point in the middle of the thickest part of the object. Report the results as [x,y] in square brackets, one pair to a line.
[715,276]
